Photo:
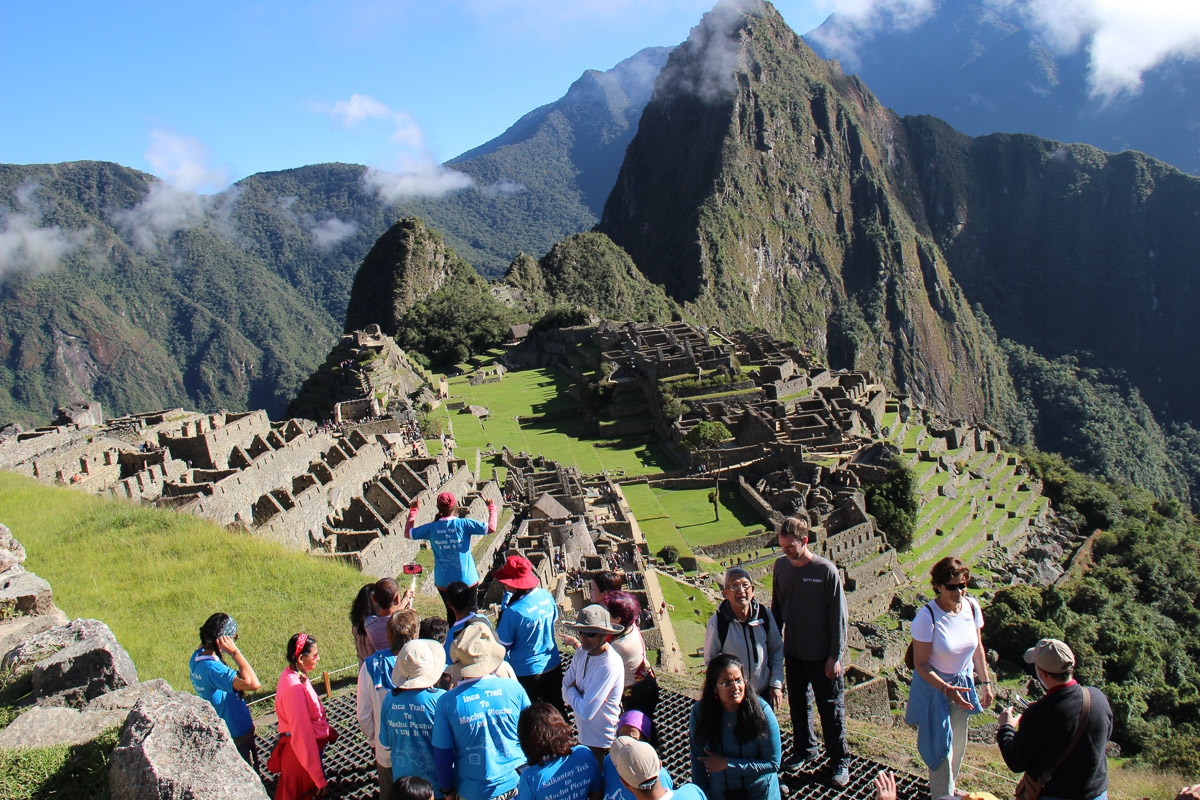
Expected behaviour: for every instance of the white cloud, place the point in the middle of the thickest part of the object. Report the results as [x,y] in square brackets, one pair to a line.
[1123,39]
[416,180]
[327,233]
[503,188]
[27,246]
[412,171]
[185,162]
[163,211]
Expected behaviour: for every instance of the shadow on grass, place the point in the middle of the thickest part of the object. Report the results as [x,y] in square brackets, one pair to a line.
[79,772]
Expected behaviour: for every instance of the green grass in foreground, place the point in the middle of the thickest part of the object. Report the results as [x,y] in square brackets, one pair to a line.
[79,772]
[154,576]
[531,393]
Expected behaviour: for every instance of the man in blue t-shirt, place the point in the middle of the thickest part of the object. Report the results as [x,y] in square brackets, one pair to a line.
[476,748]
[638,767]
[406,721]
[526,629]
[214,681]
[449,537]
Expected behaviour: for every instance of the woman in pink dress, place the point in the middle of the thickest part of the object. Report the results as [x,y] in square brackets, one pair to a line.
[304,731]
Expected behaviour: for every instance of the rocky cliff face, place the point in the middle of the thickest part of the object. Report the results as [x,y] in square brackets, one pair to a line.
[408,263]
[766,188]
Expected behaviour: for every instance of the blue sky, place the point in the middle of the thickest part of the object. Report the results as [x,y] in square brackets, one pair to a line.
[209,93]
[204,94]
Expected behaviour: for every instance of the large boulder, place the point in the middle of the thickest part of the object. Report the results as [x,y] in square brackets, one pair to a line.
[48,726]
[19,629]
[83,671]
[21,658]
[173,744]
[23,593]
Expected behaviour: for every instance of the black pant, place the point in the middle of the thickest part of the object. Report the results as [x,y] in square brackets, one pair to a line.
[830,698]
[545,688]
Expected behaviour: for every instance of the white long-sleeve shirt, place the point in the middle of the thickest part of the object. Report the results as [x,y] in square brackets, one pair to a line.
[373,687]
[592,687]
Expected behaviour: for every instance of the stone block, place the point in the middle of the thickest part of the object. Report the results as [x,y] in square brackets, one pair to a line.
[125,699]
[18,629]
[83,671]
[48,726]
[173,744]
[23,594]
[21,658]
[12,553]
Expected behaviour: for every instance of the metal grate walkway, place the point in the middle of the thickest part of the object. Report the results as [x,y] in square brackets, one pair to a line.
[350,762]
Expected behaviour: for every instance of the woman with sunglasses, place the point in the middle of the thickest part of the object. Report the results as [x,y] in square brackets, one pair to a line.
[304,731]
[735,742]
[948,656]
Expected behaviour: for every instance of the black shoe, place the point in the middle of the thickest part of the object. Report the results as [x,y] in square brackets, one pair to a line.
[798,760]
[841,775]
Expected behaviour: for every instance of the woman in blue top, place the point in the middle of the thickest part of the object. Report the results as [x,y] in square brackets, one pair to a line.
[215,682]
[559,767]
[734,737]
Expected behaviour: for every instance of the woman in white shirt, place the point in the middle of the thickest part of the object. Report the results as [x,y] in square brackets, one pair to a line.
[951,673]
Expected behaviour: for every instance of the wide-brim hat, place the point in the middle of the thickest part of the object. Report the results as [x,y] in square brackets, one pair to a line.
[420,664]
[517,573]
[1051,655]
[475,652]
[594,618]
[446,501]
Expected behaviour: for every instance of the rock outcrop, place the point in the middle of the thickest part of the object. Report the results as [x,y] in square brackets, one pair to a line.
[173,744]
[83,671]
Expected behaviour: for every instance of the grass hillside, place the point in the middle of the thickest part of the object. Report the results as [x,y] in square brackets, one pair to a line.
[154,576]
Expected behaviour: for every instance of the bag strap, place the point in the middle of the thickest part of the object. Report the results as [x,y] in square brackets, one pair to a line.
[1079,729]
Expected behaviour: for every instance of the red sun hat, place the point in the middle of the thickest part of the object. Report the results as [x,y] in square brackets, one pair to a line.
[446,501]
[517,573]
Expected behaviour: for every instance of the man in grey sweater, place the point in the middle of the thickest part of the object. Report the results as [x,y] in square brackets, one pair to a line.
[809,605]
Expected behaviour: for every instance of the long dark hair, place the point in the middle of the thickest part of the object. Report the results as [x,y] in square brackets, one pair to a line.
[210,631]
[362,608]
[751,722]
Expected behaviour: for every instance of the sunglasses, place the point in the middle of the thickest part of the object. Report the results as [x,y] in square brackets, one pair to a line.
[955,587]
[590,634]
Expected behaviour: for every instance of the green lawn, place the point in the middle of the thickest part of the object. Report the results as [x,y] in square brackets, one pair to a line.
[684,517]
[531,393]
[688,618]
[154,576]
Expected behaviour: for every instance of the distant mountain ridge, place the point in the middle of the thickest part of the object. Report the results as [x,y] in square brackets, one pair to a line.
[981,68]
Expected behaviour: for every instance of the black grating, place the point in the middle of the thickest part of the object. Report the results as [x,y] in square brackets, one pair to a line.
[350,762]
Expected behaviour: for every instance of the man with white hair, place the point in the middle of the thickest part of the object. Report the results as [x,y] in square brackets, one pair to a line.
[745,628]
[1059,740]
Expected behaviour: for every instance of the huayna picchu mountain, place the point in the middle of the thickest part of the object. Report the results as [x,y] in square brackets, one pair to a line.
[766,188]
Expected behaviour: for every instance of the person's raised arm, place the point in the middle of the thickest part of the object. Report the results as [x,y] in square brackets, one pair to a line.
[493,516]
[246,680]
[412,520]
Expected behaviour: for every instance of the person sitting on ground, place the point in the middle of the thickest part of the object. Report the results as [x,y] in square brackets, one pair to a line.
[735,742]
[412,788]
[476,747]
[745,628]
[595,680]
[362,609]
[375,683]
[638,726]
[450,537]
[221,686]
[559,767]
[639,768]
[640,685]
[1040,742]
[386,596]
[526,628]
[406,718]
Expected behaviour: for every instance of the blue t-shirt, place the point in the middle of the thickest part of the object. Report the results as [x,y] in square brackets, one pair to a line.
[689,791]
[478,721]
[526,628]
[213,681]
[450,539]
[615,790]
[406,728]
[571,777]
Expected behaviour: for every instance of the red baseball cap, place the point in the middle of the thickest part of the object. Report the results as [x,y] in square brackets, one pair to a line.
[446,501]
[517,573]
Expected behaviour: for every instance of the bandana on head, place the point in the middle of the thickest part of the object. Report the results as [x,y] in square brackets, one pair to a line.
[228,629]
[301,640]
